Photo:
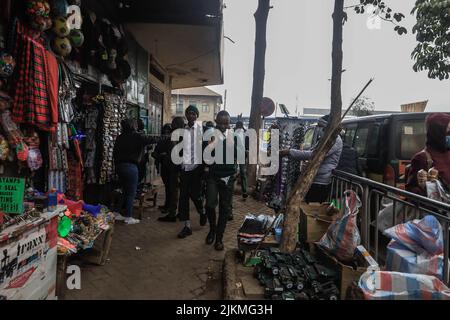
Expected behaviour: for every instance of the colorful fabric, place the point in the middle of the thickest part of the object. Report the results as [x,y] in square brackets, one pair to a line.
[343,236]
[382,285]
[32,86]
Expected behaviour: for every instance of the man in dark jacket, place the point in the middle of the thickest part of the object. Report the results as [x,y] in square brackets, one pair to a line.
[173,173]
[349,160]
[161,154]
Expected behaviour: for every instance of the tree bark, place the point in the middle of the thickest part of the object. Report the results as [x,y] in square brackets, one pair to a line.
[261,16]
[292,215]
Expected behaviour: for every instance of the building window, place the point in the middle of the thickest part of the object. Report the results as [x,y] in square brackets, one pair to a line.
[179,108]
[205,108]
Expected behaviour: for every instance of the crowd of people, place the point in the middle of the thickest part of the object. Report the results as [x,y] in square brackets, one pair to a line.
[210,186]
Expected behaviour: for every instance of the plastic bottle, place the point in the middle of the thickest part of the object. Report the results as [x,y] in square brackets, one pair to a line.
[52,200]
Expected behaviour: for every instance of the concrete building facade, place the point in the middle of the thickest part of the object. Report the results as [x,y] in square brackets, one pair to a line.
[208,102]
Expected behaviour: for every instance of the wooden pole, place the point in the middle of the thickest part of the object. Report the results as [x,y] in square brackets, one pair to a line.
[261,16]
[292,215]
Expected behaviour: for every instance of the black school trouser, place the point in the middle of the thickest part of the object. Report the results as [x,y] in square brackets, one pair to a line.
[221,193]
[190,188]
[169,176]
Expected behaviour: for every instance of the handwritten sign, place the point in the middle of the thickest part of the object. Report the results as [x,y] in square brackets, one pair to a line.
[11,195]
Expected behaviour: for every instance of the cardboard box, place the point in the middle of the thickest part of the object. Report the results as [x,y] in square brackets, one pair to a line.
[347,274]
[314,222]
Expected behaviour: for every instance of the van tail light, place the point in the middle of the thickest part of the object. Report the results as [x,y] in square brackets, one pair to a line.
[389,176]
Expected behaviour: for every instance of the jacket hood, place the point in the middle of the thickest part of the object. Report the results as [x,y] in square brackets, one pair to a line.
[437,124]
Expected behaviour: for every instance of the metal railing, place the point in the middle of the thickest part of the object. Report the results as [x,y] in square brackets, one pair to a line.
[405,206]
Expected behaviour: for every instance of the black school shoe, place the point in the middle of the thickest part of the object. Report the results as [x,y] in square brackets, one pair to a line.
[210,237]
[185,232]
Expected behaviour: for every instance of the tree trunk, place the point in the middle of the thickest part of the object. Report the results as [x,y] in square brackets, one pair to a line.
[261,15]
[291,219]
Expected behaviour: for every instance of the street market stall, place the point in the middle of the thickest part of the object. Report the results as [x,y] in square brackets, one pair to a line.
[63,71]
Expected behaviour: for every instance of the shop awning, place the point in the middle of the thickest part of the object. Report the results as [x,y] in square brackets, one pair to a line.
[185,36]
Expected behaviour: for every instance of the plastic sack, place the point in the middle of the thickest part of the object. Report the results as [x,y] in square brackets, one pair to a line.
[419,236]
[383,285]
[401,259]
[417,247]
[385,216]
[342,237]
[93,210]
[436,191]
[34,159]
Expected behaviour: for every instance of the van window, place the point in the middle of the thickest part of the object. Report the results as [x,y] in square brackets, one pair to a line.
[349,135]
[411,138]
[373,143]
[360,141]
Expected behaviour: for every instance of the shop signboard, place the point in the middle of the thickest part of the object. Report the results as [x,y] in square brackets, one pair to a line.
[11,195]
[28,264]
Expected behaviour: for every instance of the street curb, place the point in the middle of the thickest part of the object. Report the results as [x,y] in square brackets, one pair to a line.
[232,286]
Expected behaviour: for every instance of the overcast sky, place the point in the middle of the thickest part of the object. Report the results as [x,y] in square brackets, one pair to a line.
[298,58]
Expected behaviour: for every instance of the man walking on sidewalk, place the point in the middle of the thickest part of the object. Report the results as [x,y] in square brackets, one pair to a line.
[220,183]
[191,172]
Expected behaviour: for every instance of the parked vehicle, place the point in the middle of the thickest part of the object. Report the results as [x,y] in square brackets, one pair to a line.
[385,143]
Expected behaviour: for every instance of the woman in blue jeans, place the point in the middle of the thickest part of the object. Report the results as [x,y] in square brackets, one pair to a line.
[128,151]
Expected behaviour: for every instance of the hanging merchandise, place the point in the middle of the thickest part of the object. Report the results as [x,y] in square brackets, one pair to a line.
[61,46]
[34,154]
[67,93]
[76,38]
[32,103]
[7,65]
[22,152]
[279,187]
[14,135]
[59,7]
[5,101]
[38,13]
[114,112]
[61,27]
[4,149]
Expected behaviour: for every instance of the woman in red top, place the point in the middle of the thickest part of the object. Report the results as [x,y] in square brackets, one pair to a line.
[436,153]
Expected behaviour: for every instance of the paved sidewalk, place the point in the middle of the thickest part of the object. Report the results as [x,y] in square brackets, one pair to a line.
[165,267]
